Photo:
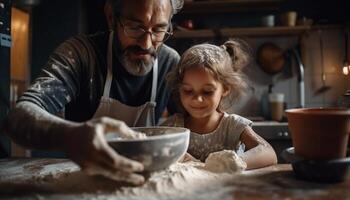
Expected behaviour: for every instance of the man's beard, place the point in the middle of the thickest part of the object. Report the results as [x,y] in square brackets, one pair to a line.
[137,67]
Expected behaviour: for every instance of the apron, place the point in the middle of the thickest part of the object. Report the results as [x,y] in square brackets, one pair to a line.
[133,116]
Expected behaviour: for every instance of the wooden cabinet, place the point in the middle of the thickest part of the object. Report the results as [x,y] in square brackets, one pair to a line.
[235,18]
[233,32]
[231,18]
[19,63]
[224,6]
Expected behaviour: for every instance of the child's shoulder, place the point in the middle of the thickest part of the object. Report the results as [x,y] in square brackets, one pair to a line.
[237,119]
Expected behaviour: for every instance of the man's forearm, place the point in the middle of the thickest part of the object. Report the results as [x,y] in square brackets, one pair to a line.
[31,126]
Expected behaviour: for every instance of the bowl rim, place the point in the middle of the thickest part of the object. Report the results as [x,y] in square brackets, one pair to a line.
[320,111]
[155,137]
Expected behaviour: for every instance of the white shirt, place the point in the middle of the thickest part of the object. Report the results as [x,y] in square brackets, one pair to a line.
[225,137]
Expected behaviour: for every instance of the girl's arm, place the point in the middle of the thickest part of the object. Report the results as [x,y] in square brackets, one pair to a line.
[259,153]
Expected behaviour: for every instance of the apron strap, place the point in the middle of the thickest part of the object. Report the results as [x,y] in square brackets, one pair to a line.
[109,76]
[154,81]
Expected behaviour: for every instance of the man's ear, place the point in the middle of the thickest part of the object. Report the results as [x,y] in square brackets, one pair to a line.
[109,15]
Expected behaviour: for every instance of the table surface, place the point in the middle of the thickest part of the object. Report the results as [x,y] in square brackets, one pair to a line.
[29,178]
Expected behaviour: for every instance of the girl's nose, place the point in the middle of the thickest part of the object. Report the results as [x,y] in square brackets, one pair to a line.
[198,98]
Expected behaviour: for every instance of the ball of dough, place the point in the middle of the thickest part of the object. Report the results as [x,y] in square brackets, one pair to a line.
[225,161]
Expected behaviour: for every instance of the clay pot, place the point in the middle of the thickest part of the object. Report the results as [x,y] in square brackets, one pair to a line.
[270,58]
[319,133]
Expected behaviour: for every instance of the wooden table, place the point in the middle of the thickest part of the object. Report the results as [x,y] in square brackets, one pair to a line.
[61,179]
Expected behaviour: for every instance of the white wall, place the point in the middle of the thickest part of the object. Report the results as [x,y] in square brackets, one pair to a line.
[286,81]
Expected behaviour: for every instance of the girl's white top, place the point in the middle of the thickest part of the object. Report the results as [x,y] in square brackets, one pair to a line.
[225,137]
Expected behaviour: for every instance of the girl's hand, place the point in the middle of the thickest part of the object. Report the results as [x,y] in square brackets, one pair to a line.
[87,146]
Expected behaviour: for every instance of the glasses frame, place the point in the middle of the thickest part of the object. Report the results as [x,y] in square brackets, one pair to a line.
[167,34]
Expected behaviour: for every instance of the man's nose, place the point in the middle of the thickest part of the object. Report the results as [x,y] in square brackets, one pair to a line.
[146,41]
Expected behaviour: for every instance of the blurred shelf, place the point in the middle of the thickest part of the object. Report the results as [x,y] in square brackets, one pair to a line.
[224,6]
[231,32]
[328,26]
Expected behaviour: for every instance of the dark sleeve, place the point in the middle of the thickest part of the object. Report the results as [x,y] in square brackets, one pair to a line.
[60,79]
[173,106]
[168,59]
[32,123]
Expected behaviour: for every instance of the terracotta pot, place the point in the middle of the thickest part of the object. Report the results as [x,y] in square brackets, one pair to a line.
[319,133]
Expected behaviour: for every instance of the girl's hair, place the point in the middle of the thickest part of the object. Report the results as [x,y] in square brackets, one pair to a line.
[224,62]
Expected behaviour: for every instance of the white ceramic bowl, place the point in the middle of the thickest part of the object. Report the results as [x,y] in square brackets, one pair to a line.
[162,147]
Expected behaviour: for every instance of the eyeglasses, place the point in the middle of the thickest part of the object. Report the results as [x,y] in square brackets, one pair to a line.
[136,32]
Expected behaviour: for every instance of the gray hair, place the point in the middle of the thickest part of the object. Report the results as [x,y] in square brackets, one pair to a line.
[117,5]
[176,5]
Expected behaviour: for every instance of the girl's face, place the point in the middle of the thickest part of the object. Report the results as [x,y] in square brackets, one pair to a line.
[200,93]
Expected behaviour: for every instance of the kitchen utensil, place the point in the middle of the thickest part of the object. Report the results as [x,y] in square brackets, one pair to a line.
[335,170]
[324,87]
[319,133]
[268,21]
[289,18]
[346,66]
[301,83]
[270,58]
[162,147]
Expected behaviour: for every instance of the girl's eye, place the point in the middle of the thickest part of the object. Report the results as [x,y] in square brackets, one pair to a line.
[208,93]
[187,91]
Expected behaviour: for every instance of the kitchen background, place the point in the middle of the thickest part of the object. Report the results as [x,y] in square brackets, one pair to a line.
[39,26]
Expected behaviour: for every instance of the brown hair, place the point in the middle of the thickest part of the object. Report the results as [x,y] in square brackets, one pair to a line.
[224,62]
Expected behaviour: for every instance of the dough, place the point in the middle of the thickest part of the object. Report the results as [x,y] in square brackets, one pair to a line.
[127,135]
[225,161]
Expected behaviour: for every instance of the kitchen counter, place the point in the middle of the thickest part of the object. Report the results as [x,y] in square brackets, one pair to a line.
[30,178]
[276,133]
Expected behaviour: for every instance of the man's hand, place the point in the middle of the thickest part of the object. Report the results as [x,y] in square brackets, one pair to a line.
[87,146]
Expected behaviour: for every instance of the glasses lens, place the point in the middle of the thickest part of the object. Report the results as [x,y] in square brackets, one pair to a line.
[134,32]
[158,36]
[166,36]
[138,32]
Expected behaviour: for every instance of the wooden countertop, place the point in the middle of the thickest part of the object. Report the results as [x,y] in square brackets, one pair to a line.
[62,179]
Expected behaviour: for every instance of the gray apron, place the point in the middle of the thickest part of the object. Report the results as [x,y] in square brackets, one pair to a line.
[133,116]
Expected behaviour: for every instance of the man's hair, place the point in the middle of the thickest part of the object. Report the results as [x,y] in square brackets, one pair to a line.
[117,6]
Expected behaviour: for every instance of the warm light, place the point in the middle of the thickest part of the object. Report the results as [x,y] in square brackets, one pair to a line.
[346,70]
[16,24]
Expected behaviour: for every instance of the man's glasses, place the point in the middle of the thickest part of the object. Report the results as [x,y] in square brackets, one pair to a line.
[136,32]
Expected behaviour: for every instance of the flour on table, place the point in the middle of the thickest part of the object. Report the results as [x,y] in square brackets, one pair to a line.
[180,178]
[225,161]
[189,180]
[62,179]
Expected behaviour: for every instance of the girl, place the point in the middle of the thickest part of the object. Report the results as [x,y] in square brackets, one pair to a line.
[207,78]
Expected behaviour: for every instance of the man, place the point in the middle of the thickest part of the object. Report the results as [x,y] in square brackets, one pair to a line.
[97,79]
